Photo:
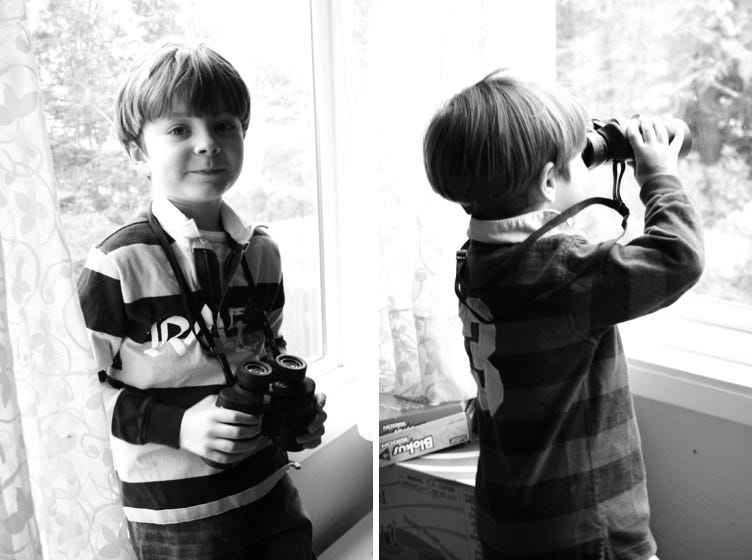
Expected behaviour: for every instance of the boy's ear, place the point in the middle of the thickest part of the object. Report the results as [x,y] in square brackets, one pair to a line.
[138,158]
[547,183]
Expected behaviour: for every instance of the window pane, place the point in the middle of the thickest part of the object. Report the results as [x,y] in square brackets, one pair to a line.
[84,48]
[690,60]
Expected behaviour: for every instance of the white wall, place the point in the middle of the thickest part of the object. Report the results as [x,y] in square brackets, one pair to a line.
[335,484]
[699,482]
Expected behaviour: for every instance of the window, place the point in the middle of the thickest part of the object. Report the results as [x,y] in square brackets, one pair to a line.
[698,69]
[84,48]
[699,51]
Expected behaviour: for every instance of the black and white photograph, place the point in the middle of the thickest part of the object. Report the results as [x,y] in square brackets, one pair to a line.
[360,279]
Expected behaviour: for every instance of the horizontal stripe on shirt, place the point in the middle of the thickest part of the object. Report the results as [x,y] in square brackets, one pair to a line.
[542,537]
[583,418]
[563,458]
[215,484]
[143,339]
[246,496]
[531,402]
[136,232]
[515,501]
[526,335]
[135,318]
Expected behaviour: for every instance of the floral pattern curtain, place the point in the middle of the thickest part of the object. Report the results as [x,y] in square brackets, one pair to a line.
[58,491]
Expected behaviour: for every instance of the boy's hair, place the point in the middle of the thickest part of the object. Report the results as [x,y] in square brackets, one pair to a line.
[486,147]
[205,81]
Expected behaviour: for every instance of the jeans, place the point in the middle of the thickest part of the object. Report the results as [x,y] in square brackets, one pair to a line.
[276,527]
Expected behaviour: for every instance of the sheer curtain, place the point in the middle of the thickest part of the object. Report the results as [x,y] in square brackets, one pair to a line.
[405,59]
[57,487]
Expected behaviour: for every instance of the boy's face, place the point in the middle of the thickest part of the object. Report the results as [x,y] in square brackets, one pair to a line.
[190,159]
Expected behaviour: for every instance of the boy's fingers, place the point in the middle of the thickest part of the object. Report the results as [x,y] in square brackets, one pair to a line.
[225,415]
[228,416]
[251,445]
[661,133]
[310,441]
[240,447]
[312,444]
[317,422]
[634,134]
[647,129]
[676,143]
[321,400]
[317,433]
[236,432]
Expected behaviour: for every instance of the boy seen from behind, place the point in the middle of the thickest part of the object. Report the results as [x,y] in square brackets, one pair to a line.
[560,473]
[175,302]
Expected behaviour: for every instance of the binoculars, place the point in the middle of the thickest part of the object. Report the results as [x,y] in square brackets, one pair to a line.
[279,393]
[608,141]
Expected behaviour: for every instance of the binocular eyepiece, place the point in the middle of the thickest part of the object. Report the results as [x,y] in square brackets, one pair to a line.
[608,141]
[279,392]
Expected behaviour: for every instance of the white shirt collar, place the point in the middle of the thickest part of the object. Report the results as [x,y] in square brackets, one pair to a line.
[515,229]
[179,226]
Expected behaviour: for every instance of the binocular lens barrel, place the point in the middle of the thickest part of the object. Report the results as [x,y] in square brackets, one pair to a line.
[280,394]
[290,368]
[246,395]
[300,415]
[254,376]
[289,361]
[608,141]
[255,367]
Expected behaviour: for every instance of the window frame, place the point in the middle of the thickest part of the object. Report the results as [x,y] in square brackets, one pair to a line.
[658,372]
[348,241]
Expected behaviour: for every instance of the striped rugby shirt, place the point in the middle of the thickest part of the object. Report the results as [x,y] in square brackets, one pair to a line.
[561,473]
[157,369]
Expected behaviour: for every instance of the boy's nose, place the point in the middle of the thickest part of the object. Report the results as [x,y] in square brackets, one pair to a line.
[207,144]
[213,149]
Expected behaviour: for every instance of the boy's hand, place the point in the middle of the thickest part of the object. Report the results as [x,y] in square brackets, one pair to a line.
[654,154]
[219,434]
[315,430]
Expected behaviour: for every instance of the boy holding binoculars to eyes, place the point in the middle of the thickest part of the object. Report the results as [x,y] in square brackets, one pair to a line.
[177,304]
[560,472]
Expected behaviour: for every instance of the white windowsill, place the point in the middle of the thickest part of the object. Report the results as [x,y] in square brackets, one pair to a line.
[677,385]
[695,354]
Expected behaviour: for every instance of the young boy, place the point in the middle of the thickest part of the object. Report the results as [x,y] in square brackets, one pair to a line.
[560,472]
[172,311]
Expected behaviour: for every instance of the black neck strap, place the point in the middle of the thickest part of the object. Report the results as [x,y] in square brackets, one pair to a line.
[192,309]
[616,203]
[268,334]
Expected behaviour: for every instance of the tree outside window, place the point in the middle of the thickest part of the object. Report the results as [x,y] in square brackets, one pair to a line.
[690,60]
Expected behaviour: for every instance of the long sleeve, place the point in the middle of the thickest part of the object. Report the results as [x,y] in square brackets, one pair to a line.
[136,417]
[609,283]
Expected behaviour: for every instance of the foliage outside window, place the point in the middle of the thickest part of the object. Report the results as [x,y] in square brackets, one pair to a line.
[690,60]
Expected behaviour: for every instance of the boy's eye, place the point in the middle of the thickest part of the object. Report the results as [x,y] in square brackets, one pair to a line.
[226,126]
[178,130]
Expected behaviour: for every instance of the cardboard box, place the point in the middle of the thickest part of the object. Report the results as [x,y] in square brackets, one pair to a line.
[408,430]
[427,508]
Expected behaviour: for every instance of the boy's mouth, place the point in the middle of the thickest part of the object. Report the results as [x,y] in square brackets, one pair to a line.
[208,171]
